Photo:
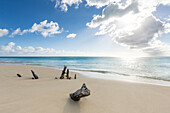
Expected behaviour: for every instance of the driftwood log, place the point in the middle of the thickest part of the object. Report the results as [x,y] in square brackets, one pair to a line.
[63,72]
[19,75]
[83,92]
[34,75]
[75,76]
[67,74]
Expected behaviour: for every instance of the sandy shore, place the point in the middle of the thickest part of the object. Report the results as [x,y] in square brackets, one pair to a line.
[49,95]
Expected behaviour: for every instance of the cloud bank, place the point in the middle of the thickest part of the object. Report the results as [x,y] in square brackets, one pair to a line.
[11,49]
[63,4]
[44,28]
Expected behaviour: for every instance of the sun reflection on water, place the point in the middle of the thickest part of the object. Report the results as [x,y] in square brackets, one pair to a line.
[131,66]
[129,61]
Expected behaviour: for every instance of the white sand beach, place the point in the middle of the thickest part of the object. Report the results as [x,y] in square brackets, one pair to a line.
[49,95]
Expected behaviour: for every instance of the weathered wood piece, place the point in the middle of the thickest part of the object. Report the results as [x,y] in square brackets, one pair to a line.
[83,92]
[19,75]
[63,72]
[67,74]
[34,75]
[75,76]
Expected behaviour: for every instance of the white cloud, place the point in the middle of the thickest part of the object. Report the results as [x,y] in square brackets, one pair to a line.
[12,49]
[64,7]
[8,48]
[72,35]
[100,3]
[167,18]
[44,28]
[63,4]
[141,36]
[104,29]
[3,32]
[111,12]
[157,48]
[17,31]
[167,27]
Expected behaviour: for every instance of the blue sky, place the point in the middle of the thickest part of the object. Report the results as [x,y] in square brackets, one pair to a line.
[84,28]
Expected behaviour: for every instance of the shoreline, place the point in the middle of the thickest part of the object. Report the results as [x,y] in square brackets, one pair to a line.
[121,78]
[47,94]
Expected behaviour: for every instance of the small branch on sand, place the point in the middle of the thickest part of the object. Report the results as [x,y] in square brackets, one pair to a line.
[19,75]
[34,75]
[83,92]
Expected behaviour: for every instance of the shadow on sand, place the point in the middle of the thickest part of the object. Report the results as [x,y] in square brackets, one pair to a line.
[27,78]
[71,107]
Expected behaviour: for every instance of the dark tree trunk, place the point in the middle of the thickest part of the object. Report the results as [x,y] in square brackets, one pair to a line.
[83,92]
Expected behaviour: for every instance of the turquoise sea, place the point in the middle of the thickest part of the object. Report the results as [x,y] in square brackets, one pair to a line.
[154,70]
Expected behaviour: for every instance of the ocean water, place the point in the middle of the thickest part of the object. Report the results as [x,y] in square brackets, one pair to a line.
[154,70]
